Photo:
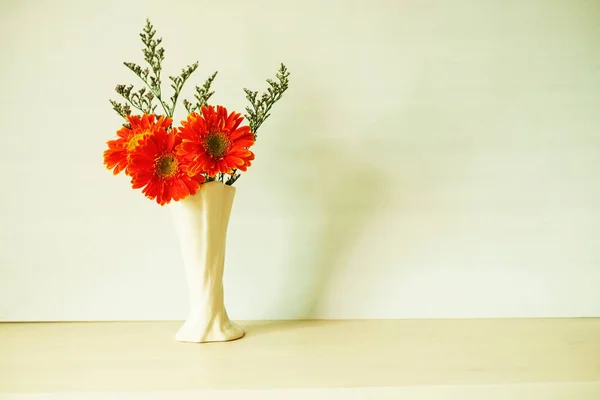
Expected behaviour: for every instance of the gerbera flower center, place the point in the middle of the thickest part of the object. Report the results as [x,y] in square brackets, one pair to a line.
[166,165]
[136,139]
[216,144]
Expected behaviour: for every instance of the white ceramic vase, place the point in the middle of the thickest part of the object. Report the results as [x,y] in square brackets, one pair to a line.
[201,223]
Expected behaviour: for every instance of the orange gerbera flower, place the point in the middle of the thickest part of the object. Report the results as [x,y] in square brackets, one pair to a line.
[215,142]
[117,155]
[155,166]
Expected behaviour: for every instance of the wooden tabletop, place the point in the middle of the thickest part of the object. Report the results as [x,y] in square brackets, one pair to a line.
[380,356]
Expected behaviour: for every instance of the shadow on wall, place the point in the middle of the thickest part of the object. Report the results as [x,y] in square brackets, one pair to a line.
[331,195]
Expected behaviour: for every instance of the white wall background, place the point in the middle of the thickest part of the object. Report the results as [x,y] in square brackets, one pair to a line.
[432,159]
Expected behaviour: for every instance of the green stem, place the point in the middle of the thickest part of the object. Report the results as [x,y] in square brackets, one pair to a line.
[232,178]
[131,102]
[176,95]
[157,94]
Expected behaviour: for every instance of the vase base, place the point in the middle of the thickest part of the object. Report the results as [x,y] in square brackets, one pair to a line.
[196,332]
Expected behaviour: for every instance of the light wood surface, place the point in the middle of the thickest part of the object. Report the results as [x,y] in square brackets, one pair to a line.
[377,355]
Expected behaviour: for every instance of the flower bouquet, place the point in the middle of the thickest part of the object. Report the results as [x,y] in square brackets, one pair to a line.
[192,168]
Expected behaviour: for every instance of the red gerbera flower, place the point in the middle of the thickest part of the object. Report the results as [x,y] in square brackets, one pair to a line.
[155,166]
[215,142]
[117,155]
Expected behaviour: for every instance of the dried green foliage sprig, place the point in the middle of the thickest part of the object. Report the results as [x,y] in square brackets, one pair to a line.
[141,99]
[179,81]
[202,95]
[154,55]
[262,105]
[122,109]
